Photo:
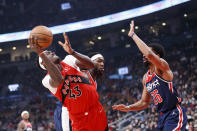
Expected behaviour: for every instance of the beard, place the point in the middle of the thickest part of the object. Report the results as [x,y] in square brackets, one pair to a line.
[99,75]
[146,64]
[57,61]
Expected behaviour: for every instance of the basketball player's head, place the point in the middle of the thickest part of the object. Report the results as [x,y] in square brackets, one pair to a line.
[25,115]
[52,57]
[98,60]
[158,50]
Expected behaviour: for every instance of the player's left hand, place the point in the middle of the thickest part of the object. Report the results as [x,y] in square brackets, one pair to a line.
[67,47]
[121,107]
[131,28]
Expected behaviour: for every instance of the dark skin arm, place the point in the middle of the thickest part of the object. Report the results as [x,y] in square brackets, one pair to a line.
[162,67]
[143,103]
[82,60]
[54,72]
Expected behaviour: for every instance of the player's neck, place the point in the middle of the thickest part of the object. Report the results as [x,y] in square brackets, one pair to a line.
[93,74]
[59,66]
[151,69]
[26,120]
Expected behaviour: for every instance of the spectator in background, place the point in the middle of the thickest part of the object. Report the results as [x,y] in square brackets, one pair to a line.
[24,124]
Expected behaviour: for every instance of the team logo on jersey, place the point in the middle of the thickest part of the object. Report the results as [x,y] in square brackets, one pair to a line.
[73,92]
[154,84]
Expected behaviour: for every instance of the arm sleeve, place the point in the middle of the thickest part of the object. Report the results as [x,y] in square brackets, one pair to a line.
[45,83]
[71,61]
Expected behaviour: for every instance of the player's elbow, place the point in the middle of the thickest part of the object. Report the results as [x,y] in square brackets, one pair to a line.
[145,104]
[56,82]
[59,81]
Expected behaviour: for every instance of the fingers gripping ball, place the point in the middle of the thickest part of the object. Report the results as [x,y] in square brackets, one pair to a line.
[43,34]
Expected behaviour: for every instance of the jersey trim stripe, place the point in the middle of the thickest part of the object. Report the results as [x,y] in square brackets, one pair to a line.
[149,77]
[170,87]
[162,79]
[180,123]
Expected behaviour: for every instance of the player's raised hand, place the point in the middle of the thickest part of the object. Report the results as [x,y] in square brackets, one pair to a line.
[33,42]
[67,47]
[121,107]
[131,28]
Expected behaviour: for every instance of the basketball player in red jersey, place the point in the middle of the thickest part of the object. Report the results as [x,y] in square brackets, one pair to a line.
[24,124]
[158,84]
[74,88]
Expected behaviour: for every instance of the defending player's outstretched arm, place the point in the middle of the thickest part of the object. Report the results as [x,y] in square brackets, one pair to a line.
[143,103]
[54,72]
[147,52]
[82,60]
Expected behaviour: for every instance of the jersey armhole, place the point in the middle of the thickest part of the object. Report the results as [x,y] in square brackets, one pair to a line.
[145,77]
[46,83]
[71,61]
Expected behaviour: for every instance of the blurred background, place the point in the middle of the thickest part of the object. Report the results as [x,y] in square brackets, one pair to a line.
[20,80]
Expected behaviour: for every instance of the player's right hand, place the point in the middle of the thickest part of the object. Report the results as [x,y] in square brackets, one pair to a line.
[121,107]
[66,46]
[131,28]
[33,42]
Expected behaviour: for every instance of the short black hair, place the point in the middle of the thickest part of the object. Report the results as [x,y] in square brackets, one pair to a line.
[93,53]
[158,49]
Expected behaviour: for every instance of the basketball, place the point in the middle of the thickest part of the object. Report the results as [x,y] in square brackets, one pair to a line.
[43,34]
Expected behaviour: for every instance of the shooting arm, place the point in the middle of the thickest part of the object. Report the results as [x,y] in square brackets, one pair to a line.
[54,72]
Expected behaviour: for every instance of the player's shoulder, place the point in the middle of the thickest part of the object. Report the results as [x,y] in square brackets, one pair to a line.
[144,78]
[21,124]
[71,61]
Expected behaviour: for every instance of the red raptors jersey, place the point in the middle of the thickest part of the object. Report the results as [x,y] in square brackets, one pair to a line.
[76,92]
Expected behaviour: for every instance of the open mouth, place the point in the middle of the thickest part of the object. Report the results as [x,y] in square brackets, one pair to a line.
[145,60]
[101,69]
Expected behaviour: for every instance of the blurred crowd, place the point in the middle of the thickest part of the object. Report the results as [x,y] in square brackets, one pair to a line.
[33,97]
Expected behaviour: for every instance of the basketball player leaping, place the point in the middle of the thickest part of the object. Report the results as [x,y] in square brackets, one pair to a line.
[24,124]
[74,88]
[157,83]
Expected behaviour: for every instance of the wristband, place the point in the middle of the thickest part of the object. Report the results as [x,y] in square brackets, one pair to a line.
[40,53]
[73,52]
[132,34]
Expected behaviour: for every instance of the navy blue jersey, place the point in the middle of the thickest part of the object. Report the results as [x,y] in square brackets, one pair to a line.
[163,92]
